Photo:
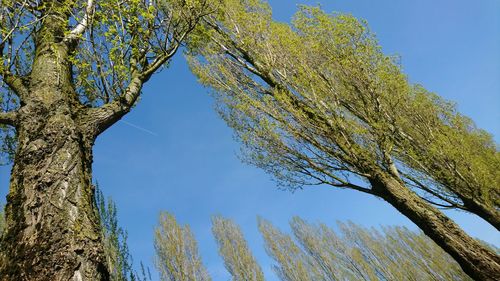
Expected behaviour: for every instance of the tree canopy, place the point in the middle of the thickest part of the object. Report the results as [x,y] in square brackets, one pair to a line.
[317,252]
[177,256]
[314,101]
[111,48]
[356,253]
[317,101]
[233,248]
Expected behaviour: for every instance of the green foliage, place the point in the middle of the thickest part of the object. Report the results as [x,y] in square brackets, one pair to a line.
[177,257]
[314,252]
[318,102]
[293,264]
[116,249]
[233,248]
[8,101]
[357,253]
[16,56]
[125,39]
[7,145]
[112,48]
[2,220]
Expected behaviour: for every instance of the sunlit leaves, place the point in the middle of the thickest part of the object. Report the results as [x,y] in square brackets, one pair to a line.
[18,19]
[177,257]
[356,253]
[317,101]
[2,219]
[126,37]
[116,250]
[233,248]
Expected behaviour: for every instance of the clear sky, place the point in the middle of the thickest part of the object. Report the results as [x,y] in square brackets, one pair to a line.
[173,153]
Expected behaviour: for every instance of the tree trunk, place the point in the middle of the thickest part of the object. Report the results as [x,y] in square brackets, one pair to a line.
[52,228]
[487,213]
[52,225]
[477,261]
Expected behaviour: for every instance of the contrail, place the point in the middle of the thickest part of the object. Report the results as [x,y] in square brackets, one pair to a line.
[140,128]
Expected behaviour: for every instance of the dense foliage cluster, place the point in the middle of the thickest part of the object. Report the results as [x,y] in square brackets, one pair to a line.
[177,255]
[317,101]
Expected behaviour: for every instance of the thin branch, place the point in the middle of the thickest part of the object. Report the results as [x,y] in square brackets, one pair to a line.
[8,118]
[442,206]
[82,26]
[110,113]
[423,187]
[15,83]
[157,63]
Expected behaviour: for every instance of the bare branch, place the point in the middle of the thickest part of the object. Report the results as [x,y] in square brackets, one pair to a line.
[82,26]
[15,83]
[103,117]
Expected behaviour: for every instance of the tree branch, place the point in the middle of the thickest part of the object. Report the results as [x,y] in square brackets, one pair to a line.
[110,113]
[8,118]
[82,26]
[15,83]
[141,71]
[157,63]
[423,187]
[105,116]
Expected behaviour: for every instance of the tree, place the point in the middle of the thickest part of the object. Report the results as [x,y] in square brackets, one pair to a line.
[177,257]
[118,259]
[2,220]
[317,252]
[233,248]
[69,70]
[318,102]
[357,253]
[293,264]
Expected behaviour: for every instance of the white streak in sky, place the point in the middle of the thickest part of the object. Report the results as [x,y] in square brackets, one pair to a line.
[140,128]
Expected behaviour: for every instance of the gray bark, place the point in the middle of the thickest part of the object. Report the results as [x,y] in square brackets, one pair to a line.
[52,226]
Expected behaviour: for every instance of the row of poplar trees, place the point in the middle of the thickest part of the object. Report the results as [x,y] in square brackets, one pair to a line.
[314,252]
[314,101]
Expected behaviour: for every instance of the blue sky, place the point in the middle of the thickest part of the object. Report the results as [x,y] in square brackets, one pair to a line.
[184,158]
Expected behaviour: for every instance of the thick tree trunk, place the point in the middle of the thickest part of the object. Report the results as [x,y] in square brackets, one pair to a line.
[477,261]
[52,228]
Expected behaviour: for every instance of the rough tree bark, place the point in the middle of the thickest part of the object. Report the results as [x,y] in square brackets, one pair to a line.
[477,261]
[52,226]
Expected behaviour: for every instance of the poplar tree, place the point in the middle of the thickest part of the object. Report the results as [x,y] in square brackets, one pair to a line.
[317,102]
[317,252]
[2,220]
[177,257]
[116,252]
[70,69]
[233,248]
